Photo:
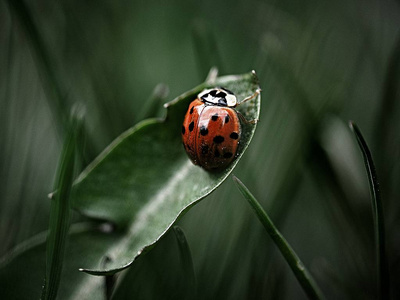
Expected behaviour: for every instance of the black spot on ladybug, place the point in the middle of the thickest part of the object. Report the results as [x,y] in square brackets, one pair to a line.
[228,91]
[204,149]
[183,129]
[216,153]
[191,126]
[221,95]
[228,154]
[203,130]
[218,139]
[234,136]
[227,118]
[214,117]
[191,110]
[213,93]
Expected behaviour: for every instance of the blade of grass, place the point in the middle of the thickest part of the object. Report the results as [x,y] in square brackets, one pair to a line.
[303,276]
[60,213]
[377,210]
[187,261]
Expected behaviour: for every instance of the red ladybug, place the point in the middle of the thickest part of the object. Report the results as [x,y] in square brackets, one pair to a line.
[211,129]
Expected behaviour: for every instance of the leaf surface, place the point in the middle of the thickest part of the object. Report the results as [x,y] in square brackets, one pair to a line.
[143,182]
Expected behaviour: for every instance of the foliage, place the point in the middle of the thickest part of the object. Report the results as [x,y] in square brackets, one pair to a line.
[319,63]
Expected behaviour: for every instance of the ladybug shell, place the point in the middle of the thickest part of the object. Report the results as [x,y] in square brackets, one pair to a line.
[211,135]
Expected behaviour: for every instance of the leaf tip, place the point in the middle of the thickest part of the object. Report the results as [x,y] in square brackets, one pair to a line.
[91,272]
[78,111]
[161,90]
[254,74]
[357,132]
[212,75]
[351,125]
[237,181]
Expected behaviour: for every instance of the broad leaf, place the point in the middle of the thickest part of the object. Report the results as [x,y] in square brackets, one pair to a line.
[143,182]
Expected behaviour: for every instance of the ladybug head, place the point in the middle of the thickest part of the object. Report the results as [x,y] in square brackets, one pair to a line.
[218,96]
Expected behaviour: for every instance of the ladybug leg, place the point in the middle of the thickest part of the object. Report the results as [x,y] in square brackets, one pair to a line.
[256,93]
[244,120]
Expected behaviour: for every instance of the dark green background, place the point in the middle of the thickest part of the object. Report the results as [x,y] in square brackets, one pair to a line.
[320,64]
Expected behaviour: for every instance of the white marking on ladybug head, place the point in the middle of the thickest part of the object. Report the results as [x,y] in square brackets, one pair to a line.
[231,100]
[218,96]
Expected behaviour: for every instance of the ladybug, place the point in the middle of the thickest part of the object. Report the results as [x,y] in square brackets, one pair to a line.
[211,129]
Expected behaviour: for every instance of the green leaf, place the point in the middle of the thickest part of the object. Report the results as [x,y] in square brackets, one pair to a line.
[377,210]
[143,182]
[303,276]
[60,212]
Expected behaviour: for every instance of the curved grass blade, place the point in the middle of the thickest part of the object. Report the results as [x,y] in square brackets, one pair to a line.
[60,212]
[143,182]
[303,276]
[187,261]
[377,210]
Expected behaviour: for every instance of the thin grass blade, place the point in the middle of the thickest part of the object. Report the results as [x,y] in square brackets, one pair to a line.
[187,261]
[377,210]
[305,279]
[60,214]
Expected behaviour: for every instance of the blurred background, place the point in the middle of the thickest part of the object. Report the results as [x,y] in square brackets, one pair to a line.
[320,64]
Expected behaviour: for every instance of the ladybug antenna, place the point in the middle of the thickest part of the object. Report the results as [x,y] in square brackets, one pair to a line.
[256,93]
